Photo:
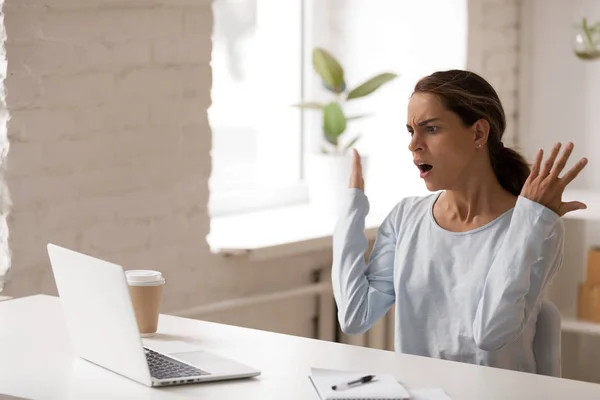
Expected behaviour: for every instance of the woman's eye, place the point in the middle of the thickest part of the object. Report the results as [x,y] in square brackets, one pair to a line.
[431,129]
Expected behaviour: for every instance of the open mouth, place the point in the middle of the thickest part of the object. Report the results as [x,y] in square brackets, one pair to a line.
[424,167]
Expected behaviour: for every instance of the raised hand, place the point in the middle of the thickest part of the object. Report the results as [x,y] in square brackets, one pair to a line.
[356,178]
[544,185]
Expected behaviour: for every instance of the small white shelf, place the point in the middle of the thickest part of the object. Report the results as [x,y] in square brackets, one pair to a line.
[592,199]
[578,326]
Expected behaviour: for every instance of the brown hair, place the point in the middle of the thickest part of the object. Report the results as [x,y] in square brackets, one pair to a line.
[472,98]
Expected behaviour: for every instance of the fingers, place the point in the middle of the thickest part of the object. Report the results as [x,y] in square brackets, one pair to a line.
[544,184]
[550,161]
[356,178]
[571,206]
[562,161]
[535,169]
[574,171]
[356,164]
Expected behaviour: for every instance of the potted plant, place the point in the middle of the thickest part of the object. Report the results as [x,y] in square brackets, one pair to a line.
[328,171]
[587,40]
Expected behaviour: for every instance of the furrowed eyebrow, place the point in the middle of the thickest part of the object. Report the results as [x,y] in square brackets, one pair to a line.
[425,122]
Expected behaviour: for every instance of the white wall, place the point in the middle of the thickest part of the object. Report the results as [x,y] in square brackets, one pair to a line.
[559,101]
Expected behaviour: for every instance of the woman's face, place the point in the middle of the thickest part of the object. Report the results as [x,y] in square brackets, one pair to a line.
[443,148]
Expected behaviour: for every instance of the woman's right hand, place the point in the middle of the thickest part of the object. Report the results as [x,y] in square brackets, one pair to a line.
[356,178]
[546,187]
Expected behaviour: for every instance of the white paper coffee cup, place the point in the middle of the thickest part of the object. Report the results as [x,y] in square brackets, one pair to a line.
[145,289]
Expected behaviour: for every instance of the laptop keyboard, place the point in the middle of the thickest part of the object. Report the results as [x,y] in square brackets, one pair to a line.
[163,367]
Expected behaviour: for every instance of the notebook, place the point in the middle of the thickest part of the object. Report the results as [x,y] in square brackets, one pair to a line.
[382,387]
[428,394]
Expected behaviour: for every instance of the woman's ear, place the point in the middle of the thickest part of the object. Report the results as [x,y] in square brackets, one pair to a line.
[481,131]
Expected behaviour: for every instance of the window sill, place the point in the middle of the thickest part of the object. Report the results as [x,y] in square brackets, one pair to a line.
[284,231]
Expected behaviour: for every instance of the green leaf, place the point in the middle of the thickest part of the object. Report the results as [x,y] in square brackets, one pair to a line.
[351,143]
[371,85]
[354,117]
[311,105]
[334,122]
[592,28]
[329,69]
[589,42]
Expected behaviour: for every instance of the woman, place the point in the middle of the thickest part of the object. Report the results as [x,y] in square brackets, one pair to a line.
[466,266]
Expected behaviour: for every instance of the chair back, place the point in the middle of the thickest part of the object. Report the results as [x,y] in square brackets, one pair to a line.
[547,340]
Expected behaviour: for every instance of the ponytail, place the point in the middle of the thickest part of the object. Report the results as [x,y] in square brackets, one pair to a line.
[510,168]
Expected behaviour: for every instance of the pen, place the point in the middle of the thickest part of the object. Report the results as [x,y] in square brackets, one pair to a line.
[359,381]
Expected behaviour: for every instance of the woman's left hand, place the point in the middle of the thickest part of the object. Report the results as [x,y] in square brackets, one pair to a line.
[545,187]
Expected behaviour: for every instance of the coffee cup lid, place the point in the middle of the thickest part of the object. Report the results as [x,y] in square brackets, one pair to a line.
[144,277]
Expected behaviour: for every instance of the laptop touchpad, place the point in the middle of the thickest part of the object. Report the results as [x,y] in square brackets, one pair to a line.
[212,363]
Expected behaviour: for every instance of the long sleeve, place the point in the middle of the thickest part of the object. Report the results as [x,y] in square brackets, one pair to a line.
[528,260]
[363,292]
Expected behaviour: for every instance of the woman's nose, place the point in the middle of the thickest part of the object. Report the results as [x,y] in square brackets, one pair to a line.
[415,143]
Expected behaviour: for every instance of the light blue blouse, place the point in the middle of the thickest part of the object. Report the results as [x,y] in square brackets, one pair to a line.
[470,296]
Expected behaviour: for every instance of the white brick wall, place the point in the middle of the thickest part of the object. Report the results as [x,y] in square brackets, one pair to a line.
[109,136]
[494,53]
[110,144]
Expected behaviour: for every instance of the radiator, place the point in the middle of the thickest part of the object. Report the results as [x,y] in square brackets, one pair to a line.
[380,336]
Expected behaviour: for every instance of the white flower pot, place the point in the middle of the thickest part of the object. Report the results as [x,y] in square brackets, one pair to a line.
[328,180]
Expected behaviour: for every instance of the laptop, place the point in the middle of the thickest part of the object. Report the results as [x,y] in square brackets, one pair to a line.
[101,322]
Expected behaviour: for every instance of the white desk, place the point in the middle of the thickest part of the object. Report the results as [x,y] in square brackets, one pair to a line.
[36,362]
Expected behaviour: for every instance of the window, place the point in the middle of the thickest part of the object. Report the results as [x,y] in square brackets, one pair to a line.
[257,77]
[261,66]
[405,37]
